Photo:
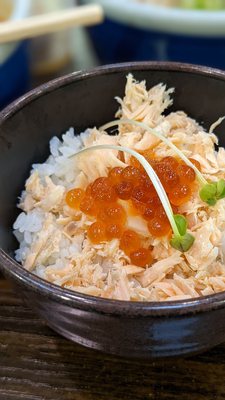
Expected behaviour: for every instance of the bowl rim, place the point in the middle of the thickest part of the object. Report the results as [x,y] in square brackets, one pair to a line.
[87,302]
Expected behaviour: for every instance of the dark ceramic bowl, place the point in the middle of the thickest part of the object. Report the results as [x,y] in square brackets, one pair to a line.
[81,100]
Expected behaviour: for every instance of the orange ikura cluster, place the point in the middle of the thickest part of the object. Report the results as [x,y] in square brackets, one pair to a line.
[132,184]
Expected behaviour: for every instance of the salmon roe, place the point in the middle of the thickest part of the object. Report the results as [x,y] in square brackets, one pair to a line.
[130,241]
[89,206]
[131,174]
[159,227]
[186,174]
[102,190]
[141,193]
[151,207]
[104,198]
[180,195]
[196,163]
[113,212]
[88,189]
[141,257]
[138,206]
[135,163]
[114,231]
[96,232]
[171,162]
[115,175]
[74,197]
[124,190]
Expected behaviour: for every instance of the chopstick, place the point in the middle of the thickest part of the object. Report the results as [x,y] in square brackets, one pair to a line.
[51,22]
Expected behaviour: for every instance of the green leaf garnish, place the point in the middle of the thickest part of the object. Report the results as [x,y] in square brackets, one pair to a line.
[212,192]
[182,243]
[178,223]
[181,223]
[208,193]
[220,189]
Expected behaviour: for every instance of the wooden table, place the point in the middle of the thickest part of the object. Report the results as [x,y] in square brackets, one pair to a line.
[37,364]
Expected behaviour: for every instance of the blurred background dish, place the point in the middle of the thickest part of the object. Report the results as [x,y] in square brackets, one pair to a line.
[53,52]
[28,63]
[62,52]
[195,4]
[14,66]
[136,31]
[190,31]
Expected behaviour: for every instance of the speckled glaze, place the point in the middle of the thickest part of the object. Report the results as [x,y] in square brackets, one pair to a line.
[85,99]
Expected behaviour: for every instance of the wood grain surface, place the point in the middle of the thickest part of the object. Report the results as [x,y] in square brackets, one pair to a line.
[37,364]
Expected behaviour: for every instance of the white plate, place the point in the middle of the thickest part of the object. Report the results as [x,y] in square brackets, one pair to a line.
[165,19]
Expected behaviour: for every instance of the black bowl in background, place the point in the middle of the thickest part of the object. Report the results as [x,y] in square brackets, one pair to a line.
[83,100]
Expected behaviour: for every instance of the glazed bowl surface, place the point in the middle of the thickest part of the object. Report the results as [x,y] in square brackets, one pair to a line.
[81,100]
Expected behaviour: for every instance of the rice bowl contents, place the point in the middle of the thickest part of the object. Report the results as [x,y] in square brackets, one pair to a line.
[93,222]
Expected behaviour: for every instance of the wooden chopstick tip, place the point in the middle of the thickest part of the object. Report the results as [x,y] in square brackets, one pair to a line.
[50,22]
